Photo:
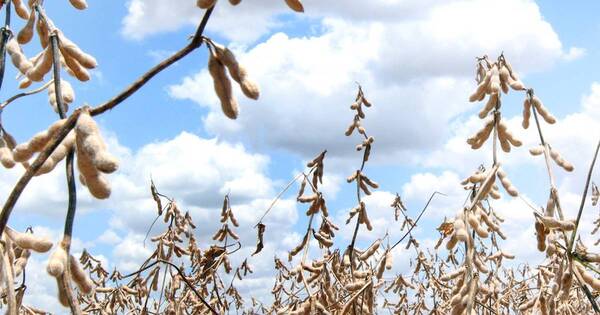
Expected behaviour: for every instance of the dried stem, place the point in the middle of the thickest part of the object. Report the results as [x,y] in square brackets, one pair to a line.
[583,197]
[6,34]
[17,96]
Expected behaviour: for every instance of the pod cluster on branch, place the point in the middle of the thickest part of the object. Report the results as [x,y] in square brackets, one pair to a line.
[221,62]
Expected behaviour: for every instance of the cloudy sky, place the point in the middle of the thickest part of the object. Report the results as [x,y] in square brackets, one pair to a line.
[415,61]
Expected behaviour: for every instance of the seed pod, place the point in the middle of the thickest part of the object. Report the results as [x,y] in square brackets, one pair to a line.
[528,304]
[536,150]
[560,161]
[57,262]
[480,91]
[58,154]
[453,275]
[43,33]
[79,4]
[235,2]
[295,5]
[79,276]
[26,33]
[222,86]
[506,137]
[17,57]
[526,113]
[389,260]
[565,283]
[490,105]
[550,206]
[6,155]
[97,185]
[89,141]
[540,235]
[70,49]
[507,184]
[353,286]
[494,85]
[205,4]
[29,241]
[75,69]
[68,95]
[41,67]
[451,242]
[21,9]
[25,151]
[482,135]
[370,251]
[586,276]
[480,265]
[369,182]
[551,223]
[237,72]
[460,230]
[539,106]
[21,262]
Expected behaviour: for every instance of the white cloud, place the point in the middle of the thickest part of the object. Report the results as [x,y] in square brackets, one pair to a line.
[574,53]
[416,70]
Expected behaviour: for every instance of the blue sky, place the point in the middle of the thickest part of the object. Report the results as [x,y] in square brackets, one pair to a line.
[415,61]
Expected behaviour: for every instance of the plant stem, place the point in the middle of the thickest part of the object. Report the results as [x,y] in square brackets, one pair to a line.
[583,197]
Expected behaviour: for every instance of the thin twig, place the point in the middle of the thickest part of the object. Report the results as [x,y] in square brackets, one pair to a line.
[418,218]
[583,197]
[15,97]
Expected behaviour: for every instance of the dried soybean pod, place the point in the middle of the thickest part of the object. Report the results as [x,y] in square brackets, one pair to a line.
[17,57]
[97,185]
[6,155]
[68,48]
[24,83]
[561,161]
[79,4]
[205,4]
[541,236]
[295,5]
[222,86]
[539,106]
[526,113]
[58,155]
[537,150]
[42,66]
[43,33]
[21,9]
[370,251]
[237,72]
[491,103]
[389,260]
[29,241]
[75,69]
[26,33]
[79,276]
[90,141]
[57,262]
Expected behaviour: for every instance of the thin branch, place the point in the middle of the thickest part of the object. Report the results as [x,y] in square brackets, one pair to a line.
[136,85]
[418,218]
[6,34]
[583,197]
[17,96]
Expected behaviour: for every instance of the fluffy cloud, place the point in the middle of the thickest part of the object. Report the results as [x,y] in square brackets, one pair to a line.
[416,69]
